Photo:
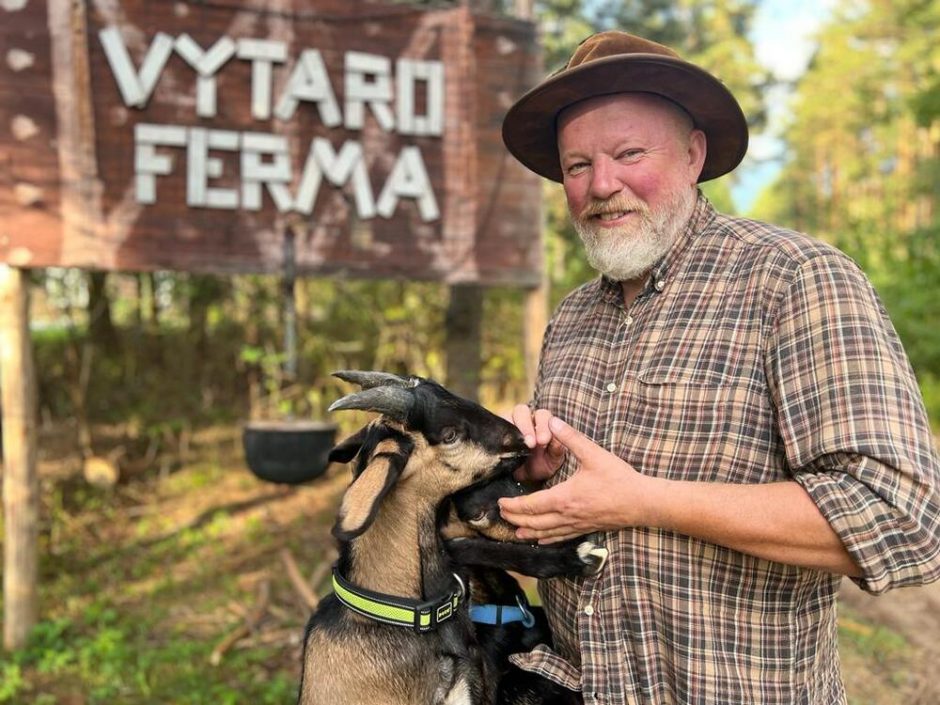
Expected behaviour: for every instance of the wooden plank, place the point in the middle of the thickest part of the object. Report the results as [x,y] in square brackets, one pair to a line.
[20,481]
[377,124]
[534,324]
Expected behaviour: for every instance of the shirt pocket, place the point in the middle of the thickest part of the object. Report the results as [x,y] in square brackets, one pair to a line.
[675,429]
[690,430]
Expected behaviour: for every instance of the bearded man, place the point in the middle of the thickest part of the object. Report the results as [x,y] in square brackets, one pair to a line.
[728,408]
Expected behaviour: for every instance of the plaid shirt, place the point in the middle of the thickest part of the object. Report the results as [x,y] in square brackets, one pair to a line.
[754,354]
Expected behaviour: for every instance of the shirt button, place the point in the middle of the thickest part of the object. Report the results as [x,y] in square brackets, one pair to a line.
[589,610]
[611,387]
[628,321]
[659,284]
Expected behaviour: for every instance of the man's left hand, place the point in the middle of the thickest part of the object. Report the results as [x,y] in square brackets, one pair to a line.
[604,493]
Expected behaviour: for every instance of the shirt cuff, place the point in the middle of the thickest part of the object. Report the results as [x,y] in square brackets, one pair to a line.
[547,663]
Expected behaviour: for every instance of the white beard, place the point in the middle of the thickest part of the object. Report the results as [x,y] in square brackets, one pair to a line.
[630,251]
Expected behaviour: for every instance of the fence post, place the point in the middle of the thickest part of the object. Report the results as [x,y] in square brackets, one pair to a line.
[20,481]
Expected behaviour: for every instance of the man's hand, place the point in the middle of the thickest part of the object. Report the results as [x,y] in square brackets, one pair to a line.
[604,492]
[547,453]
[778,521]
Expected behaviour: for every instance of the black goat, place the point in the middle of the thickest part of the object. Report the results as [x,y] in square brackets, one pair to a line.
[397,630]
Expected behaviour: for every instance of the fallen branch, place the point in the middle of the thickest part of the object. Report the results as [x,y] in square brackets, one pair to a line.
[301,586]
[247,627]
[324,569]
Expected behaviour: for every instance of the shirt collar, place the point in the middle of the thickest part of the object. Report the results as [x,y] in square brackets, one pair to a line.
[702,214]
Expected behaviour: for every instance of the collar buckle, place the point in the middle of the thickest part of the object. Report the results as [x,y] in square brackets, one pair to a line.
[428,615]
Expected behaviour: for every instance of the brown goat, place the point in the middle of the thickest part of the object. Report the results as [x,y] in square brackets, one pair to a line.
[396,630]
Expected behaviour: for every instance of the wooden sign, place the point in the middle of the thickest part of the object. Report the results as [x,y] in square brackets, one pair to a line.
[195,136]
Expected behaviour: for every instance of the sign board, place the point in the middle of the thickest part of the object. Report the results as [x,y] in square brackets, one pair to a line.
[193,136]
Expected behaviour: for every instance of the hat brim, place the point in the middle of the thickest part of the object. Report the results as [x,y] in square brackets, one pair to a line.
[529,128]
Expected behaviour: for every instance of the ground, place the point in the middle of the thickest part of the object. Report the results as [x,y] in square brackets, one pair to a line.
[890,645]
[175,586]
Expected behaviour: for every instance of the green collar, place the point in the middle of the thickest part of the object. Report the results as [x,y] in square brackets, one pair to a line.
[401,611]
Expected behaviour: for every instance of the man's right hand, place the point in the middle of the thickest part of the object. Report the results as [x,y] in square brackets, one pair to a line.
[547,453]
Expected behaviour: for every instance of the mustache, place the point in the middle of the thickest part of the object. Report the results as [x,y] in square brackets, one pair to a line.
[612,205]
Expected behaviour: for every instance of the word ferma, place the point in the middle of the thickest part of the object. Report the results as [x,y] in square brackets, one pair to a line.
[265,165]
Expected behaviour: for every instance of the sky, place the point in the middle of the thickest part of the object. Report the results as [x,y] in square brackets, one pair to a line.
[783,38]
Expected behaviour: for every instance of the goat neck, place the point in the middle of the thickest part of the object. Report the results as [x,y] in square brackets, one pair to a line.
[388,558]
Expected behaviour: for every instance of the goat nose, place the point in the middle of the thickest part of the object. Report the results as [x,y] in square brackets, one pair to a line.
[512,439]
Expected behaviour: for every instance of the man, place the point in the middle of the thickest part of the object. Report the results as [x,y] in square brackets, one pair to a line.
[728,405]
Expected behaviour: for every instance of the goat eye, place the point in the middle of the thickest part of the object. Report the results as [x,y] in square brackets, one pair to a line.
[450,435]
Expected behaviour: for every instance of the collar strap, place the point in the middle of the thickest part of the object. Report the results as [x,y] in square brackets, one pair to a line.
[504,614]
[401,611]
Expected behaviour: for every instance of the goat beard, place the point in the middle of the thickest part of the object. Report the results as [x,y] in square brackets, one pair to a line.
[631,250]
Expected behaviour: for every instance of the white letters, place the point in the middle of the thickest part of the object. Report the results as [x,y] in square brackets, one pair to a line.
[409,72]
[147,163]
[200,167]
[408,180]
[309,81]
[135,88]
[265,164]
[275,174]
[409,100]
[262,54]
[361,90]
[323,161]
[206,63]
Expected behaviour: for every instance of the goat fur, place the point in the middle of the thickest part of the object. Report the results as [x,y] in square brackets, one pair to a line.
[420,509]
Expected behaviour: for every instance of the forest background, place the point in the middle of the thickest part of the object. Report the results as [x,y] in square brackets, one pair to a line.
[156,372]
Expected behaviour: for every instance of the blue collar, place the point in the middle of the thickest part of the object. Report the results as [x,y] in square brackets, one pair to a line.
[503,614]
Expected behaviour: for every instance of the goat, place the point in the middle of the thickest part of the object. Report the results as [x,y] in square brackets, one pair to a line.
[397,630]
[504,622]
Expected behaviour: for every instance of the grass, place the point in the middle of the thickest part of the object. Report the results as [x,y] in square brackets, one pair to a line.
[140,585]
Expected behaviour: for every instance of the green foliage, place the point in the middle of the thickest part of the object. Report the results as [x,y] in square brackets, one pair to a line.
[883,650]
[11,681]
[112,661]
[863,162]
[124,619]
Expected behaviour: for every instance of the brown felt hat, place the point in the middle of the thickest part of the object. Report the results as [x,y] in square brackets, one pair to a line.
[617,62]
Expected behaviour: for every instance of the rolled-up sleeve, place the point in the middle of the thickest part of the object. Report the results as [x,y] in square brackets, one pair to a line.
[853,423]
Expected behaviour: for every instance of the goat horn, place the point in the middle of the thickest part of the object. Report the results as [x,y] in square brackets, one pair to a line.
[369,380]
[391,401]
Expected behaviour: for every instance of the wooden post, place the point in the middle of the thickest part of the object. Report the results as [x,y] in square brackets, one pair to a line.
[464,340]
[20,482]
[536,320]
[537,299]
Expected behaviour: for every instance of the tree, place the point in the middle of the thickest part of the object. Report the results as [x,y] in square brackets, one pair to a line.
[864,159]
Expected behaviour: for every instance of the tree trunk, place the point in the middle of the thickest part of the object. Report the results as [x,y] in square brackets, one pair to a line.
[463,343]
[536,320]
[20,482]
[100,325]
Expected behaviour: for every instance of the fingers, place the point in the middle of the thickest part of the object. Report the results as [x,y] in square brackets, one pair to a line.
[535,521]
[575,441]
[522,511]
[543,434]
[533,425]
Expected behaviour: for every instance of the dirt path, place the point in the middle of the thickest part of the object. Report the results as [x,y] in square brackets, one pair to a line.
[914,613]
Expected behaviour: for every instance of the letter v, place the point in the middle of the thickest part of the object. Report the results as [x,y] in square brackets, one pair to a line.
[135,87]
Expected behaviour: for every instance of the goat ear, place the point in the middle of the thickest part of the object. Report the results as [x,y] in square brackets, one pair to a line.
[348,449]
[363,497]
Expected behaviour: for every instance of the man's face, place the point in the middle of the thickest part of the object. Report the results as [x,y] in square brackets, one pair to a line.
[630,165]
